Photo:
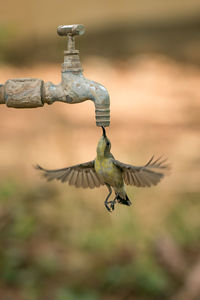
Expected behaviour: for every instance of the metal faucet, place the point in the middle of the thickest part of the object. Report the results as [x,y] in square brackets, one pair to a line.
[74,87]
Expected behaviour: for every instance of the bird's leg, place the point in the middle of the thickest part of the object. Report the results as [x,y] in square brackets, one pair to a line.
[106,201]
[113,202]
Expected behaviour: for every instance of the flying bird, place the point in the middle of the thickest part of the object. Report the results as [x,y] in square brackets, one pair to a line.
[105,170]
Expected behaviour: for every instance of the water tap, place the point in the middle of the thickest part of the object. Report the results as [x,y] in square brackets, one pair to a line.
[74,87]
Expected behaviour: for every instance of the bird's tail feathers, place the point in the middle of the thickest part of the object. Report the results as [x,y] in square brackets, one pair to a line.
[125,201]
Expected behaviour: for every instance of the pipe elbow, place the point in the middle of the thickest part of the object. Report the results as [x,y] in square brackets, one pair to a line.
[101,101]
[77,89]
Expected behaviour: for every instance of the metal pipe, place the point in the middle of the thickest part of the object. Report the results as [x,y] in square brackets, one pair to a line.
[74,87]
[2,94]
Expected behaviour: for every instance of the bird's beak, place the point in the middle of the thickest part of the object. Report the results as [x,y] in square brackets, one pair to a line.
[104,131]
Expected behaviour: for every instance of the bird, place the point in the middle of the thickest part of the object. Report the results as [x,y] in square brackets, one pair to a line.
[106,170]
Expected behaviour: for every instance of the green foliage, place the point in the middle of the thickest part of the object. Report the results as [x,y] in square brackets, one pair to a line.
[142,275]
[104,238]
[183,220]
[56,249]
[7,190]
[149,278]
[69,294]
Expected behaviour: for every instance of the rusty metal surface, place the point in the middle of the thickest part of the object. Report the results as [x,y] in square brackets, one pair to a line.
[23,93]
[2,101]
[74,87]
[71,61]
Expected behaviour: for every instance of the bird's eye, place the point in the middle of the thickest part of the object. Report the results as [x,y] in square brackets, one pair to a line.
[107,143]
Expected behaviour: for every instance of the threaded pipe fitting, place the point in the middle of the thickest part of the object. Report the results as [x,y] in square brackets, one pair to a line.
[102,116]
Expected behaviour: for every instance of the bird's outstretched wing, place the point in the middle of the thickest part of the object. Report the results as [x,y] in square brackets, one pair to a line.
[82,175]
[147,175]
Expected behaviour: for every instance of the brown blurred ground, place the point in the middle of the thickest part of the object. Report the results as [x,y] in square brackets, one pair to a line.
[154,110]
[154,102]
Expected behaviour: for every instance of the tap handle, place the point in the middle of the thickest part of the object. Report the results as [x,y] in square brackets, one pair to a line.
[76,29]
[71,31]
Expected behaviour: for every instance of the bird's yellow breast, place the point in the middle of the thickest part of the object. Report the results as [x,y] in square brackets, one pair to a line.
[110,173]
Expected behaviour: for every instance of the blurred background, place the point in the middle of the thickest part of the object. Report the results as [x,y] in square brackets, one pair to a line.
[58,242]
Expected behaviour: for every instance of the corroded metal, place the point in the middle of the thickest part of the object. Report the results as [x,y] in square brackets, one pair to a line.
[74,87]
[23,93]
[76,29]
[2,101]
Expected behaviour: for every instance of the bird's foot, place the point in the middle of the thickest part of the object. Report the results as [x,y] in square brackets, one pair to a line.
[107,206]
[110,205]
